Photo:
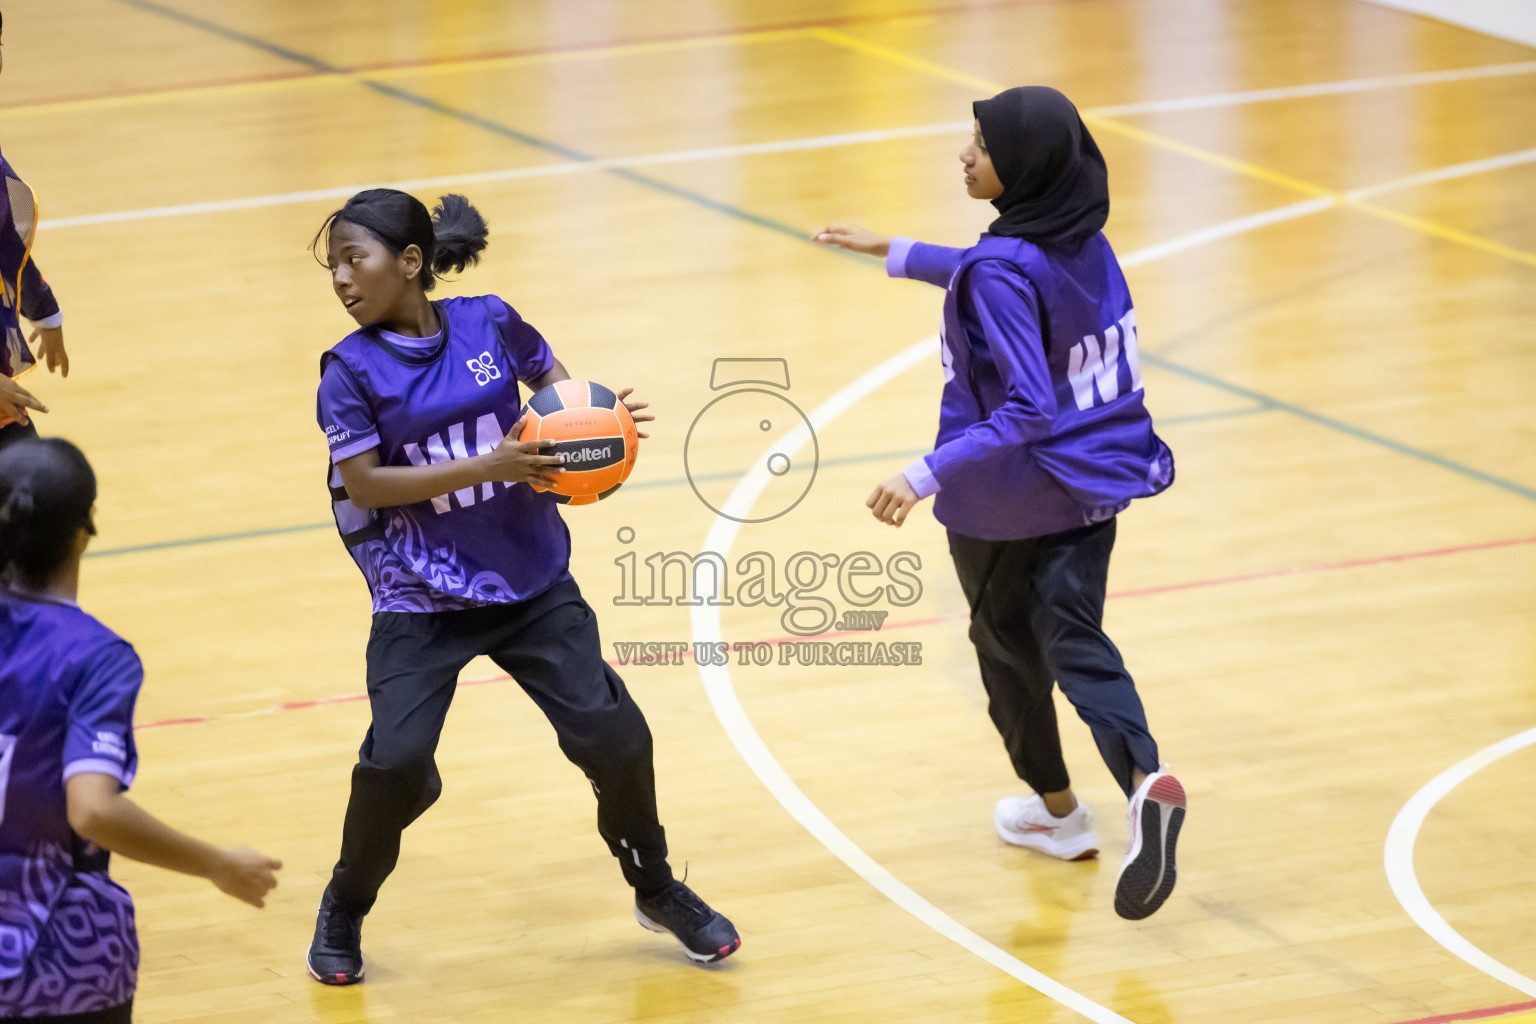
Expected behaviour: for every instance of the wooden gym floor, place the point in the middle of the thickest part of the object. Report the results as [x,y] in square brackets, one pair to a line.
[1331,607]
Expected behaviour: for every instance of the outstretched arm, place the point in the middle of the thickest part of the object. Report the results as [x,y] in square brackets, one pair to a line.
[934,264]
[100,813]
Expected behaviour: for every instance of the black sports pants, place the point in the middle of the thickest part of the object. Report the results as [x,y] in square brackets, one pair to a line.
[120,1014]
[1037,612]
[549,645]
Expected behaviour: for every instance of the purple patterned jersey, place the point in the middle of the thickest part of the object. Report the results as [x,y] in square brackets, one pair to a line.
[67,690]
[494,543]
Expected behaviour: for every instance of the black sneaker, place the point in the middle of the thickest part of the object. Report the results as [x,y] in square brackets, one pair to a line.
[336,955]
[706,935]
[1149,872]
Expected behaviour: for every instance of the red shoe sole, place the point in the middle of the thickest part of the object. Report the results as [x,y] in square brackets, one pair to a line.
[1168,790]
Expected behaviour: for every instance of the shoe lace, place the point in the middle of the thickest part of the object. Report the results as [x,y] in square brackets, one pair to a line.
[688,899]
[341,928]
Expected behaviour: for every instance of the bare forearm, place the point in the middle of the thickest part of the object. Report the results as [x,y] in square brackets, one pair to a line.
[386,486]
[125,828]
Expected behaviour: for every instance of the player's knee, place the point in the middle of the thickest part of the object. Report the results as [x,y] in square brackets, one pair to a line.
[617,735]
[408,769]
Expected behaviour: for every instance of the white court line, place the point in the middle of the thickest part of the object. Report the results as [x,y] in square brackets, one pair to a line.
[1398,858]
[781,146]
[718,686]
[1227,229]
[516,174]
[1493,163]
[743,735]
[1292,92]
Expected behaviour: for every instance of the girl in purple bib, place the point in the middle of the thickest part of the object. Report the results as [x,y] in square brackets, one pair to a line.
[1043,440]
[69,952]
[432,494]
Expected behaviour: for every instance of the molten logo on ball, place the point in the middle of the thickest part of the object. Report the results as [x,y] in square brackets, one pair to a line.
[588,455]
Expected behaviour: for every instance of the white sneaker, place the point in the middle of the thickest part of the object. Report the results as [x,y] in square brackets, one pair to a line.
[1147,876]
[1025,822]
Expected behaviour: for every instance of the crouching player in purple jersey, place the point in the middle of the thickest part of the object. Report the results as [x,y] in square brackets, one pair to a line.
[431,492]
[1043,440]
[68,949]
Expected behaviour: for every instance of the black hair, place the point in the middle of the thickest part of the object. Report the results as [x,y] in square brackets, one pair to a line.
[47,489]
[450,238]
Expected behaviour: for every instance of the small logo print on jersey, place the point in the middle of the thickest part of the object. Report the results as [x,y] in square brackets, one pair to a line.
[109,743]
[484,370]
[588,455]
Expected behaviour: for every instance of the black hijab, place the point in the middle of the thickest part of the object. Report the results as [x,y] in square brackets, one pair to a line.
[1055,184]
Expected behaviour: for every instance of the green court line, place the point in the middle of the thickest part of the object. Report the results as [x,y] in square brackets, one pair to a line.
[657,184]
[680,481]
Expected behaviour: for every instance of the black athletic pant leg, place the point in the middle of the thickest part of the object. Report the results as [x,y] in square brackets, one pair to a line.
[414,660]
[1070,574]
[119,1014]
[1037,611]
[555,654]
[994,575]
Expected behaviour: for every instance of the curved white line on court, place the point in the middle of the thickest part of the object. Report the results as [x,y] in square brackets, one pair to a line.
[1398,858]
[733,718]
[705,621]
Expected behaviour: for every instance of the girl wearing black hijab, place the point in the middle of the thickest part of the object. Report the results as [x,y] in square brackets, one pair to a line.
[1043,440]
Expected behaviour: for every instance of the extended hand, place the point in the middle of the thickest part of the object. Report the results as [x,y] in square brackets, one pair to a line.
[15,400]
[851,236]
[245,874]
[520,462]
[634,410]
[892,500]
[51,349]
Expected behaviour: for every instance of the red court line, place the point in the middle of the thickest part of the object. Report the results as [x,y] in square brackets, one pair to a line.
[1167,588]
[1492,1011]
[537,51]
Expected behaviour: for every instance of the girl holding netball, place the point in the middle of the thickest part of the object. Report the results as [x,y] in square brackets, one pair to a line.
[68,948]
[1043,440]
[432,494]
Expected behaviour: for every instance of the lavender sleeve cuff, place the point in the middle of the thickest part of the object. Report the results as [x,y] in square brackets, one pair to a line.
[896,256]
[921,479]
[99,766]
[354,447]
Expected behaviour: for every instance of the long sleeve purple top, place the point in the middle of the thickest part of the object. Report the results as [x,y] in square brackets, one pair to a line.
[1042,427]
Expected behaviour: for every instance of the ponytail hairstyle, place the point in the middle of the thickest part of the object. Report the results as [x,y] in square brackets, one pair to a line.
[451,238]
[47,489]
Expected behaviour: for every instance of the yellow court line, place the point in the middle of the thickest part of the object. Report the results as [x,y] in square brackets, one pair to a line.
[1286,181]
[1448,233]
[448,67]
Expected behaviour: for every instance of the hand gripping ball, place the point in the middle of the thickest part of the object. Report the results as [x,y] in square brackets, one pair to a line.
[593,433]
